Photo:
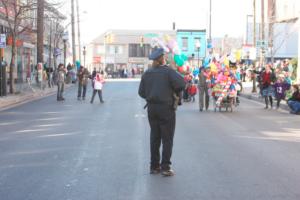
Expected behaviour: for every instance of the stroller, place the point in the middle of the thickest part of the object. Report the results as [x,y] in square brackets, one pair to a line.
[224,97]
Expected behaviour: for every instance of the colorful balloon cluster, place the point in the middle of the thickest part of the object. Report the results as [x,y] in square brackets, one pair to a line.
[175,56]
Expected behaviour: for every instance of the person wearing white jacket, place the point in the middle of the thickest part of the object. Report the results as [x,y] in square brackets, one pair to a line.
[98,85]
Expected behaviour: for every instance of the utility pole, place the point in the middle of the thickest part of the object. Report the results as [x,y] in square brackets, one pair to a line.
[254,45]
[210,20]
[50,45]
[271,17]
[73,32]
[40,31]
[263,32]
[78,28]
[254,23]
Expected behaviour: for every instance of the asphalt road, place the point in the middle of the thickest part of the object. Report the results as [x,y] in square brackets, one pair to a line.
[80,151]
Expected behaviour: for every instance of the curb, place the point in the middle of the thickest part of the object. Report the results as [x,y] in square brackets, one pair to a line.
[28,98]
[261,100]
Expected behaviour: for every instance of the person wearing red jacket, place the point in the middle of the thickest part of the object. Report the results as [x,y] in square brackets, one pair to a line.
[267,88]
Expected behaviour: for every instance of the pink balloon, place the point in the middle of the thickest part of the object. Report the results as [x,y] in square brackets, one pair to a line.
[171,44]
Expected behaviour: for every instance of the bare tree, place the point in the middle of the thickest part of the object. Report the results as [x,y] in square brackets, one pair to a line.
[19,21]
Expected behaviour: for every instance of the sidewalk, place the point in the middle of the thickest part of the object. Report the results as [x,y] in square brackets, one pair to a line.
[26,93]
[247,93]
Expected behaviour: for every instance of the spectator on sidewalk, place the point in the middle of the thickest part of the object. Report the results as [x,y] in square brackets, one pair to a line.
[268,78]
[50,76]
[61,77]
[98,82]
[281,86]
[83,76]
[294,101]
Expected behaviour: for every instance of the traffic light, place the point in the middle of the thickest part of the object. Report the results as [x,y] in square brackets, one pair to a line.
[141,41]
[109,38]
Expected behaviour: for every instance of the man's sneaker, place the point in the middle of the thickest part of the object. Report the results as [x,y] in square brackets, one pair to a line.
[155,171]
[169,172]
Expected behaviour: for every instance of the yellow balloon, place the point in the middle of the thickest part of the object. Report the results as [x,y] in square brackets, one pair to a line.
[213,67]
[167,38]
[226,61]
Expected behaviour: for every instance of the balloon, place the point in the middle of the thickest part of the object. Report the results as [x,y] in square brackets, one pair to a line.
[167,38]
[226,61]
[172,44]
[162,45]
[196,71]
[176,50]
[178,60]
[180,69]
[184,57]
[206,62]
[185,68]
[209,45]
[213,67]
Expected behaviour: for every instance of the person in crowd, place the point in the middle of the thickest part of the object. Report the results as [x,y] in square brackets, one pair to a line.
[158,86]
[98,82]
[268,78]
[61,77]
[94,73]
[133,73]
[83,76]
[294,101]
[281,86]
[49,71]
[203,89]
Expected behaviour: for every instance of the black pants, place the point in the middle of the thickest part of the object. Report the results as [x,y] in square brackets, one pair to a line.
[94,94]
[81,89]
[60,90]
[162,120]
[267,99]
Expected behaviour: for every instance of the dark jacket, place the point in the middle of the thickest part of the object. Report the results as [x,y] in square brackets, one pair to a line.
[159,84]
[295,96]
[202,80]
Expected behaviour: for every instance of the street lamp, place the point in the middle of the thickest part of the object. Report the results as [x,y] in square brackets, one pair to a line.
[198,45]
[65,38]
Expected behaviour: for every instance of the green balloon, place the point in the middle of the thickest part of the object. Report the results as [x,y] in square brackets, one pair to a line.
[184,57]
[178,60]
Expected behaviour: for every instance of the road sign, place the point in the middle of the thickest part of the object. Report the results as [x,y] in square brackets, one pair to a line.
[262,44]
[2,41]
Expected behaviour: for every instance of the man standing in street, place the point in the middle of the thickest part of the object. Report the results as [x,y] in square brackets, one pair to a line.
[83,76]
[157,87]
[61,76]
[203,90]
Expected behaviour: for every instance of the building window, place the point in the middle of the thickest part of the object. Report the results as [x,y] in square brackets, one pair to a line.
[120,50]
[113,49]
[185,43]
[136,50]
